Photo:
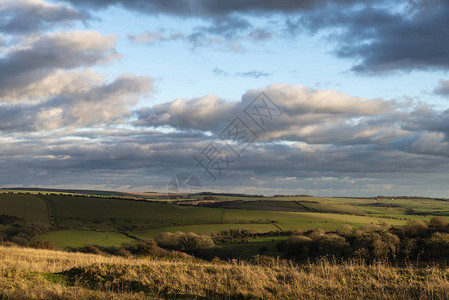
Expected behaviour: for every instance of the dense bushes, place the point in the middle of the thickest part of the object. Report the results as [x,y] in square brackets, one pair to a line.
[141,248]
[303,247]
[189,242]
[233,235]
[438,222]
[368,245]
[146,248]
[414,228]
[23,235]
[93,250]
[8,220]
[44,245]
[414,240]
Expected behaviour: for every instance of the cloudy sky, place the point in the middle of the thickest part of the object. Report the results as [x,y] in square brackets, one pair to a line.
[335,97]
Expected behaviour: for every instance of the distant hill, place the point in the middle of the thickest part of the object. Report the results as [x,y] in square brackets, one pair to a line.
[75,191]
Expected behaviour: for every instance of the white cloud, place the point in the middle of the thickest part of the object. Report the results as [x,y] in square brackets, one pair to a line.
[44,56]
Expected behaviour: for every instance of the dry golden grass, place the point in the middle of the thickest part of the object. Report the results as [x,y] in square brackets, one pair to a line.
[51,261]
[16,284]
[24,275]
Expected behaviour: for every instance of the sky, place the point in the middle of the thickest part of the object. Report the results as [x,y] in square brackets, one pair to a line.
[326,98]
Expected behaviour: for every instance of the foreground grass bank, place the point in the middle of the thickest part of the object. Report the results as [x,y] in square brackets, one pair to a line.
[46,274]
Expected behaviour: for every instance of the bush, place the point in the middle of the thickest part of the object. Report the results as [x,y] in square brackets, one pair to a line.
[376,245]
[316,245]
[23,235]
[190,242]
[330,244]
[8,220]
[371,228]
[389,243]
[44,245]
[297,246]
[438,222]
[297,232]
[385,246]
[92,249]
[147,248]
[440,238]
[414,228]
[123,252]
[438,245]
[9,244]
[20,240]
[345,230]
[409,247]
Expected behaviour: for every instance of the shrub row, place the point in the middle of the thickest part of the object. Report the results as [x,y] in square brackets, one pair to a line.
[414,240]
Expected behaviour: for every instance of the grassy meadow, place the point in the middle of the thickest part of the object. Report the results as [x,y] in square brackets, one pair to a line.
[80,238]
[45,274]
[103,219]
[30,208]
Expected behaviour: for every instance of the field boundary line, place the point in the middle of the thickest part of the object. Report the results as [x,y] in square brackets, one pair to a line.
[278,227]
[50,211]
[306,208]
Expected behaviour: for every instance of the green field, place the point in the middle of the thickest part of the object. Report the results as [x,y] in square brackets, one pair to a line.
[291,206]
[79,220]
[31,209]
[205,229]
[103,213]
[80,238]
[138,215]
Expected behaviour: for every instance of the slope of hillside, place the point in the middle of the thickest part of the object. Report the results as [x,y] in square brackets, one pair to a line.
[44,274]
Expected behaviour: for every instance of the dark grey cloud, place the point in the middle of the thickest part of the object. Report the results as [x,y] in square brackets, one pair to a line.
[45,54]
[404,36]
[156,156]
[24,16]
[427,119]
[230,31]
[226,27]
[379,36]
[214,8]
[228,34]
[325,142]
[93,105]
